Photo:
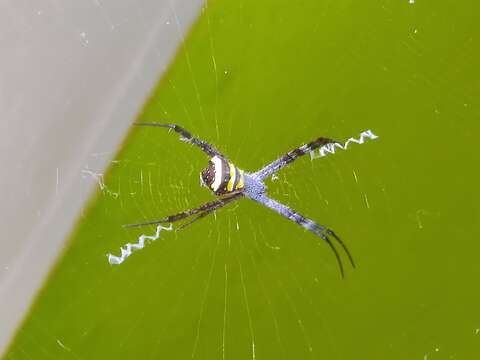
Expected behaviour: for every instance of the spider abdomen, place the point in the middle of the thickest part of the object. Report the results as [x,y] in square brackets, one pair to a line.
[222,176]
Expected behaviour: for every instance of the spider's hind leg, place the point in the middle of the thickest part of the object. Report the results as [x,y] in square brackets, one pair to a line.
[206,209]
[188,137]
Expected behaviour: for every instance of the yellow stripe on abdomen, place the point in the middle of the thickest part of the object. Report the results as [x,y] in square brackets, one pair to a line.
[233,175]
[240,183]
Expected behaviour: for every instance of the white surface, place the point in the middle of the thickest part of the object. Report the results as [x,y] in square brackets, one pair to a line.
[73,76]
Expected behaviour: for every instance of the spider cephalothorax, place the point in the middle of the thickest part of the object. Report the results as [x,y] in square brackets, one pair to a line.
[222,177]
[226,180]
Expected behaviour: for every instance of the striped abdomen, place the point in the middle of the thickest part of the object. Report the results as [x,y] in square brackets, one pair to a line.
[222,177]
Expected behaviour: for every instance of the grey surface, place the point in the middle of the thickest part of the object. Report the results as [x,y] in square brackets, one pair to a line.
[73,76]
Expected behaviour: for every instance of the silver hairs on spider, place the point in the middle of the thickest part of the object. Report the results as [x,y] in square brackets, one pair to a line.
[129,248]
[330,148]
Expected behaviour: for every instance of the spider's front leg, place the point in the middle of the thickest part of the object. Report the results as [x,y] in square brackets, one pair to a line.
[292,155]
[308,224]
[186,136]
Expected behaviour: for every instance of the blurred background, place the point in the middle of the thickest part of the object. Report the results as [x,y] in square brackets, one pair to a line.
[255,79]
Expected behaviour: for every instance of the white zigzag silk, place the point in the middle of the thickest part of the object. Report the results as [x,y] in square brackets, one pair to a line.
[330,148]
[129,248]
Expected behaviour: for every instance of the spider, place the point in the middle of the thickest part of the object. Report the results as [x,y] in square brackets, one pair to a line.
[230,183]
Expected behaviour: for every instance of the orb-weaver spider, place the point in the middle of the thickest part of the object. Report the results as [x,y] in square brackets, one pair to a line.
[226,180]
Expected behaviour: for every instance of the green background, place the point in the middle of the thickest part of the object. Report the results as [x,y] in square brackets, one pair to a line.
[257,78]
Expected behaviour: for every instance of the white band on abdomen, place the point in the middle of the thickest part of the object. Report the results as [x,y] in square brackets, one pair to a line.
[217,163]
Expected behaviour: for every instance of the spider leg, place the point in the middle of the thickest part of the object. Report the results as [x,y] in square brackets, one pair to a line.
[342,244]
[286,159]
[186,136]
[208,211]
[198,217]
[210,206]
[308,224]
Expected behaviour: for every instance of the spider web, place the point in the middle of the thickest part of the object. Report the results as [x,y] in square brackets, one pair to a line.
[232,245]
[244,282]
[235,258]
